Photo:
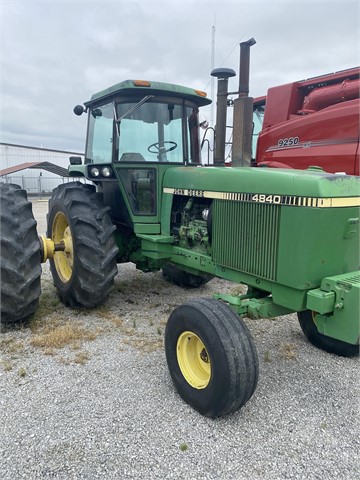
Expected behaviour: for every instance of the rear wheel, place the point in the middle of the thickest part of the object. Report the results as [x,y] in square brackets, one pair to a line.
[178,276]
[328,344]
[20,255]
[84,271]
[211,357]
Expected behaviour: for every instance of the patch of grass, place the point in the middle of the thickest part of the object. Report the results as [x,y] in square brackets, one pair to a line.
[106,314]
[76,346]
[11,346]
[62,335]
[82,358]
[11,350]
[131,333]
[7,366]
[65,361]
[144,344]
[49,351]
[154,305]
[22,372]
[288,351]
[267,357]
[122,286]
[49,304]
[82,311]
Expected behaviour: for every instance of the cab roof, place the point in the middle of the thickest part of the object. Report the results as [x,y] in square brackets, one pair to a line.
[144,87]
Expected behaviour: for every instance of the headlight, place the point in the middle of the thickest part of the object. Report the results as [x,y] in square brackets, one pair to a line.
[106,171]
[95,172]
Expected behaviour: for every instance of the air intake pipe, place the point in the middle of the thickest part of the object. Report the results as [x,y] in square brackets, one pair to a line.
[223,75]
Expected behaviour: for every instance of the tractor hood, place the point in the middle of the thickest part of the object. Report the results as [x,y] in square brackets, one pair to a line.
[211,182]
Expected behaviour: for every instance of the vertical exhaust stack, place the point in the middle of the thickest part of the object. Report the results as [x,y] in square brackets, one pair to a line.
[223,75]
[243,112]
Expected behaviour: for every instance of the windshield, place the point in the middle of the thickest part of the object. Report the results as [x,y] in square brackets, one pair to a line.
[144,131]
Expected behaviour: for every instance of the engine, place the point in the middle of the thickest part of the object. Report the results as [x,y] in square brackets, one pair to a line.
[191,223]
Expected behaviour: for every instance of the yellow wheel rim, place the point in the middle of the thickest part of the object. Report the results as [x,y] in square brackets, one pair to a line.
[193,360]
[61,233]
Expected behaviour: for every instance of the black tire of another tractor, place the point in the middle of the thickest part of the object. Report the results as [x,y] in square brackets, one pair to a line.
[328,344]
[94,249]
[181,278]
[232,353]
[20,256]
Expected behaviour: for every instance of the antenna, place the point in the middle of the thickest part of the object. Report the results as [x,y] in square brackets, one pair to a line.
[212,78]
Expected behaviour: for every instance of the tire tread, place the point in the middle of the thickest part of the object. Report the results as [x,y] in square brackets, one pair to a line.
[230,338]
[20,256]
[95,263]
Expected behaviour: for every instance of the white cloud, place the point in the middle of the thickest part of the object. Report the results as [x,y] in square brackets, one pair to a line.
[56,54]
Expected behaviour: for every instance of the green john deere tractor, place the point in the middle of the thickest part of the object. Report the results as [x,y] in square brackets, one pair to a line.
[291,236]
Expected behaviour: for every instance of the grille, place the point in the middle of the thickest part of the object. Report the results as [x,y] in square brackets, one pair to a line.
[245,237]
[353,280]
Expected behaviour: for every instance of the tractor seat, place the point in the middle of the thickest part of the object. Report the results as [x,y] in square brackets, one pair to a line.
[132,157]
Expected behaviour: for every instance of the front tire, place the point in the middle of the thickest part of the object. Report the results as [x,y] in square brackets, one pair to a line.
[328,344]
[182,278]
[84,272]
[20,256]
[211,357]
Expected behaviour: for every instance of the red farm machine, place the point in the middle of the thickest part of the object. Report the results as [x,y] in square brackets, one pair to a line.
[311,122]
[291,236]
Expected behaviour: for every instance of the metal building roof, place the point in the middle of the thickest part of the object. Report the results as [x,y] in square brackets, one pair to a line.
[49,167]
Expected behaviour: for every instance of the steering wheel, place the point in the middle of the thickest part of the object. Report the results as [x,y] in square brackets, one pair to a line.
[161,149]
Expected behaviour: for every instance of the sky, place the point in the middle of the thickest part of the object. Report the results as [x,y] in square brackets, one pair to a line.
[56,54]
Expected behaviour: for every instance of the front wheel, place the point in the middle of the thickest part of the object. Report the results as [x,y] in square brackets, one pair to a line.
[328,344]
[84,270]
[211,357]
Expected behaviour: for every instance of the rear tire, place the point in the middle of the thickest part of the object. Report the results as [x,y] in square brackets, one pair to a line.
[211,357]
[182,278]
[328,344]
[84,273]
[20,256]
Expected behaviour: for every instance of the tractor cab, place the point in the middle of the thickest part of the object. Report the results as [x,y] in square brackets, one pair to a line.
[136,131]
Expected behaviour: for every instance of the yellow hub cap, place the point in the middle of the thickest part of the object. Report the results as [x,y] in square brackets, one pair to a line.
[193,360]
[61,233]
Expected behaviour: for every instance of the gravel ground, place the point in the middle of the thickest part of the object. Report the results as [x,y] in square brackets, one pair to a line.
[103,406]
